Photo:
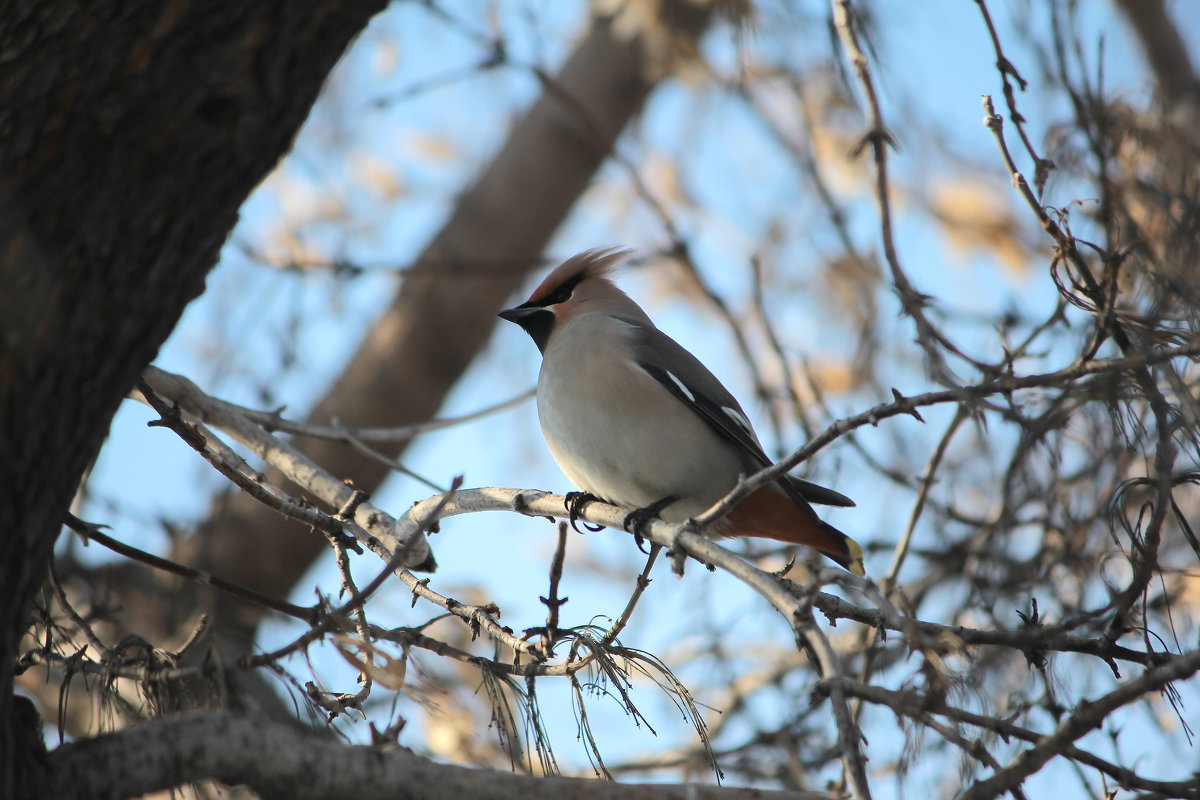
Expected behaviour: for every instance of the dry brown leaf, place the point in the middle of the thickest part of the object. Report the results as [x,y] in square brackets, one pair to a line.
[378,666]
[430,148]
[377,175]
[975,218]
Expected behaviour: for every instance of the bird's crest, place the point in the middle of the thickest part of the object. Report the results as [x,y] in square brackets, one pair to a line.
[597,263]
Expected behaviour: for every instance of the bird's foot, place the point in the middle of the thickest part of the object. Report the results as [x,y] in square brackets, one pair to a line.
[636,520]
[575,503]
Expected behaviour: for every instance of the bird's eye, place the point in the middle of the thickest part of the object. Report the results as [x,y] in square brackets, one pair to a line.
[561,295]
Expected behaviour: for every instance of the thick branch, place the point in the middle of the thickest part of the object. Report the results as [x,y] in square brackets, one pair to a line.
[367,521]
[784,595]
[278,760]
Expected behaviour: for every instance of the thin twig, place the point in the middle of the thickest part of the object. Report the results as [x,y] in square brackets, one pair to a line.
[931,340]
[80,624]
[91,532]
[1087,717]
[643,581]
[918,705]
[926,483]
[1146,551]
[552,601]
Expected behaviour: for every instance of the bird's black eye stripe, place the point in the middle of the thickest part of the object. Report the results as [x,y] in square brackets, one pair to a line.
[563,293]
[560,295]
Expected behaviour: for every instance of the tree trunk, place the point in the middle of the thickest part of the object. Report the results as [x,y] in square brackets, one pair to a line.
[131,135]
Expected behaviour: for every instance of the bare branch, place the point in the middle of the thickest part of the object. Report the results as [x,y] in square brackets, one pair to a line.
[369,523]
[1087,717]
[177,750]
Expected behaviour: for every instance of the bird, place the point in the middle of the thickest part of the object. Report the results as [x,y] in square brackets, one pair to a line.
[634,419]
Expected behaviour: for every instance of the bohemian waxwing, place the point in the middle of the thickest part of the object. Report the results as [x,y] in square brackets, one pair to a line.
[634,419]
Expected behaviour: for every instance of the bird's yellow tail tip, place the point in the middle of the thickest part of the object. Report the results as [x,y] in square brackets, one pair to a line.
[855,554]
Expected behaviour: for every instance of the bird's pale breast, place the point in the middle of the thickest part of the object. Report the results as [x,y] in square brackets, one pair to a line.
[618,434]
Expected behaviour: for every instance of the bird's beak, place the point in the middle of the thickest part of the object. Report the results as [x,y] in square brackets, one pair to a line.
[516,314]
[534,320]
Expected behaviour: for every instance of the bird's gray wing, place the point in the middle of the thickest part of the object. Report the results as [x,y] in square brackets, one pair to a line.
[682,374]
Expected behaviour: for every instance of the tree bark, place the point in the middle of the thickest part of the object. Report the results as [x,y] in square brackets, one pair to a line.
[130,136]
[278,761]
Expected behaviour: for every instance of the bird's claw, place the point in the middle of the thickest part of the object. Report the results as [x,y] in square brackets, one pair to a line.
[640,542]
[575,503]
[636,520]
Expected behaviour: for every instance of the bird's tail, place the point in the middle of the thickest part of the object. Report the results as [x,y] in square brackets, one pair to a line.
[848,553]
[769,514]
